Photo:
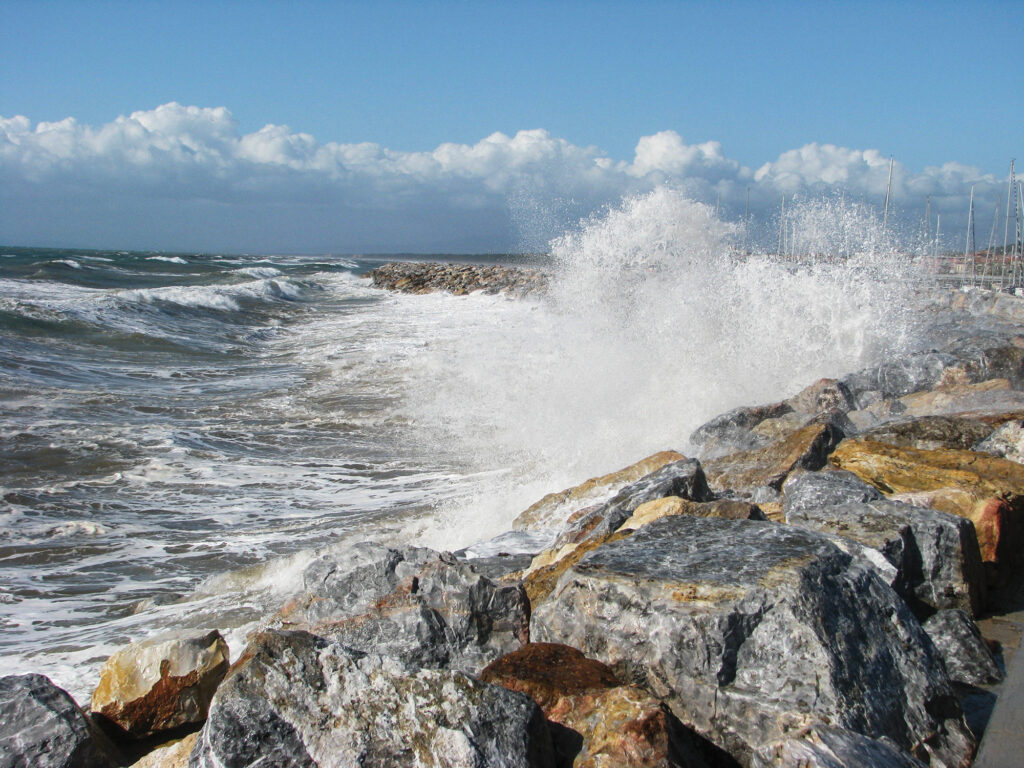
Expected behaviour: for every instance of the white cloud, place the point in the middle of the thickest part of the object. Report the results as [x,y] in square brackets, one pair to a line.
[183,176]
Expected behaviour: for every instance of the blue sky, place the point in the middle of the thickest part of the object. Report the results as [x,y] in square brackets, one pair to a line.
[929,83]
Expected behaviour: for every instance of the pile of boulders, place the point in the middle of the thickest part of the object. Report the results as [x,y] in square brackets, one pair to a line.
[802,591]
[460,279]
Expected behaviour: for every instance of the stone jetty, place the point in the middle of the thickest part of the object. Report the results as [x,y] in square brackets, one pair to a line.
[803,587]
[459,279]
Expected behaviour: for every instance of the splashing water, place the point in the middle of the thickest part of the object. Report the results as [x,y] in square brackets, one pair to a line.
[654,323]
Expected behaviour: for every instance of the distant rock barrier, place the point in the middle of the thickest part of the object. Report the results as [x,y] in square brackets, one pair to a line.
[459,279]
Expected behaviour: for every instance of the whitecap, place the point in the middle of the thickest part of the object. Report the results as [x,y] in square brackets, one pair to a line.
[169,259]
[258,271]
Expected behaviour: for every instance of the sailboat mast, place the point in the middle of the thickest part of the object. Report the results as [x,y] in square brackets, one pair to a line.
[888,190]
[968,253]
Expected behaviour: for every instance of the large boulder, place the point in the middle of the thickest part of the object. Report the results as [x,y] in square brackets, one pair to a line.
[161,683]
[934,554]
[751,631]
[599,721]
[41,726]
[987,490]
[427,608]
[299,700]
[732,431]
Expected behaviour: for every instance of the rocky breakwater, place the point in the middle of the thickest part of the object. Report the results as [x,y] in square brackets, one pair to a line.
[801,590]
[460,279]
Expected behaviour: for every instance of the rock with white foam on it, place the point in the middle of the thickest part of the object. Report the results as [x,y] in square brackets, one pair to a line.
[299,700]
[161,683]
[752,631]
[42,726]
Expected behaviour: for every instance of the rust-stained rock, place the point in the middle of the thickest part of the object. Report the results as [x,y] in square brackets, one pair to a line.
[548,671]
[987,490]
[603,722]
[807,448]
[161,683]
[544,512]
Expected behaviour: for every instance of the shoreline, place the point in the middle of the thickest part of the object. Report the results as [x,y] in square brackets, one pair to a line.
[766,478]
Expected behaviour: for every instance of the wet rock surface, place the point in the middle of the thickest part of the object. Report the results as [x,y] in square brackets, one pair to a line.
[460,279]
[42,726]
[299,700]
[750,630]
[833,748]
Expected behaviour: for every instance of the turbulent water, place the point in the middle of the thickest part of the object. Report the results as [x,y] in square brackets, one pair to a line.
[179,434]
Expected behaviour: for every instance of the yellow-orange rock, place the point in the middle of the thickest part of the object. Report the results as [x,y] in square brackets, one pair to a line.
[601,723]
[985,489]
[172,755]
[544,511]
[161,683]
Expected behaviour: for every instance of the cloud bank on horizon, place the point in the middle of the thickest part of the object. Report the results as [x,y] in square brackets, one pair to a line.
[184,177]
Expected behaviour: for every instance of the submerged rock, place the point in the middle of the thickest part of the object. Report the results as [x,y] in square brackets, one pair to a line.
[299,700]
[935,555]
[958,640]
[751,631]
[427,608]
[161,683]
[41,726]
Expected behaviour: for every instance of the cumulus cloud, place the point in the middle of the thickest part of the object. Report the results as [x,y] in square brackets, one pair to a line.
[185,177]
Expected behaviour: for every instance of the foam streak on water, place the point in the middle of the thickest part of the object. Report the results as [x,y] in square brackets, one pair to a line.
[194,429]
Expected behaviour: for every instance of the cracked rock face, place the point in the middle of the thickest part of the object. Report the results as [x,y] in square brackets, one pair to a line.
[752,630]
[41,726]
[427,608]
[935,555]
[294,699]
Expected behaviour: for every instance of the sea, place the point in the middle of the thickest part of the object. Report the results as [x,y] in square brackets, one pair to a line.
[182,433]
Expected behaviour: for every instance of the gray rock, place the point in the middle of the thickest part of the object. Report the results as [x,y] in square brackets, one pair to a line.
[833,748]
[899,377]
[827,488]
[683,478]
[958,640]
[41,726]
[294,699]
[1007,441]
[935,554]
[751,631]
[427,608]
[732,431]
[931,433]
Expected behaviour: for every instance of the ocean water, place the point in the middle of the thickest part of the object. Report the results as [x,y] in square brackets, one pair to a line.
[181,433]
